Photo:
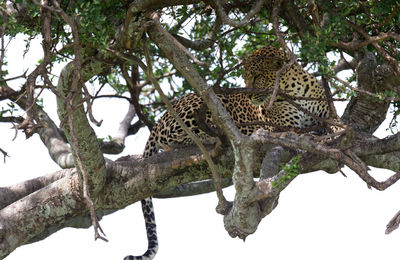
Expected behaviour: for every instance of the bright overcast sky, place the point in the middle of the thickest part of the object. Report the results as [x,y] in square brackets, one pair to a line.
[319,216]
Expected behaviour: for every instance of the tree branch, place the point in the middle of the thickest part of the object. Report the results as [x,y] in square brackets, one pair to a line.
[245,21]
[363,112]
[129,179]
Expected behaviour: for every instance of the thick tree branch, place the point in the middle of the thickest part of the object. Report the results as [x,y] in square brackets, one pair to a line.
[363,112]
[193,188]
[128,180]
[117,145]
[16,192]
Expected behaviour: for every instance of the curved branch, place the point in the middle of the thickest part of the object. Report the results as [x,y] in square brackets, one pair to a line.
[197,45]
[50,135]
[245,21]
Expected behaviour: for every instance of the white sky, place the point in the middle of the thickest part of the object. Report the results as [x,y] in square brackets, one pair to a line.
[319,216]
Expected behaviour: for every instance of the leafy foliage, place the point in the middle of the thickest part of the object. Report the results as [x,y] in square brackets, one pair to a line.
[291,171]
[315,37]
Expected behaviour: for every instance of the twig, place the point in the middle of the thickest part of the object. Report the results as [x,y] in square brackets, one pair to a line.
[110,96]
[374,40]
[393,223]
[328,95]
[5,154]
[23,75]
[268,91]
[275,24]
[89,106]
[11,119]
[329,121]
[86,192]
[363,91]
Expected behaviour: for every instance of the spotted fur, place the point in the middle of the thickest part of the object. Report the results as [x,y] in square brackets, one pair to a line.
[150,221]
[259,72]
[167,133]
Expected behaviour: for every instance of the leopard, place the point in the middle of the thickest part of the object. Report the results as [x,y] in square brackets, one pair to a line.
[249,112]
[304,102]
[168,134]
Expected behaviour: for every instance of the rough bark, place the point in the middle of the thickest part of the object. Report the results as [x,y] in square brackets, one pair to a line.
[129,179]
[365,112]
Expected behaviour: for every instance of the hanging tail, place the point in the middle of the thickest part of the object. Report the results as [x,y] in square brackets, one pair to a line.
[150,221]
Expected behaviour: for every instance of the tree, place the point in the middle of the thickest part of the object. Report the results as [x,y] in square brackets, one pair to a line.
[192,46]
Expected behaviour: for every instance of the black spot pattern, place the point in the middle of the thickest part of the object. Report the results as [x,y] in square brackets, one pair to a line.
[152,247]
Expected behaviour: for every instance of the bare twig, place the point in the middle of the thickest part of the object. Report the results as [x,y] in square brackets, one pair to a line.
[23,75]
[89,106]
[364,92]
[393,223]
[328,95]
[5,154]
[11,119]
[2,48]
[275,24]
[268,91]
[356,44]
[110,96]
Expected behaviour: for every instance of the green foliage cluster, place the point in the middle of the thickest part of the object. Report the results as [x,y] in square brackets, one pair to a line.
[98,19]
[291,171]
[10,110]
[99,22]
